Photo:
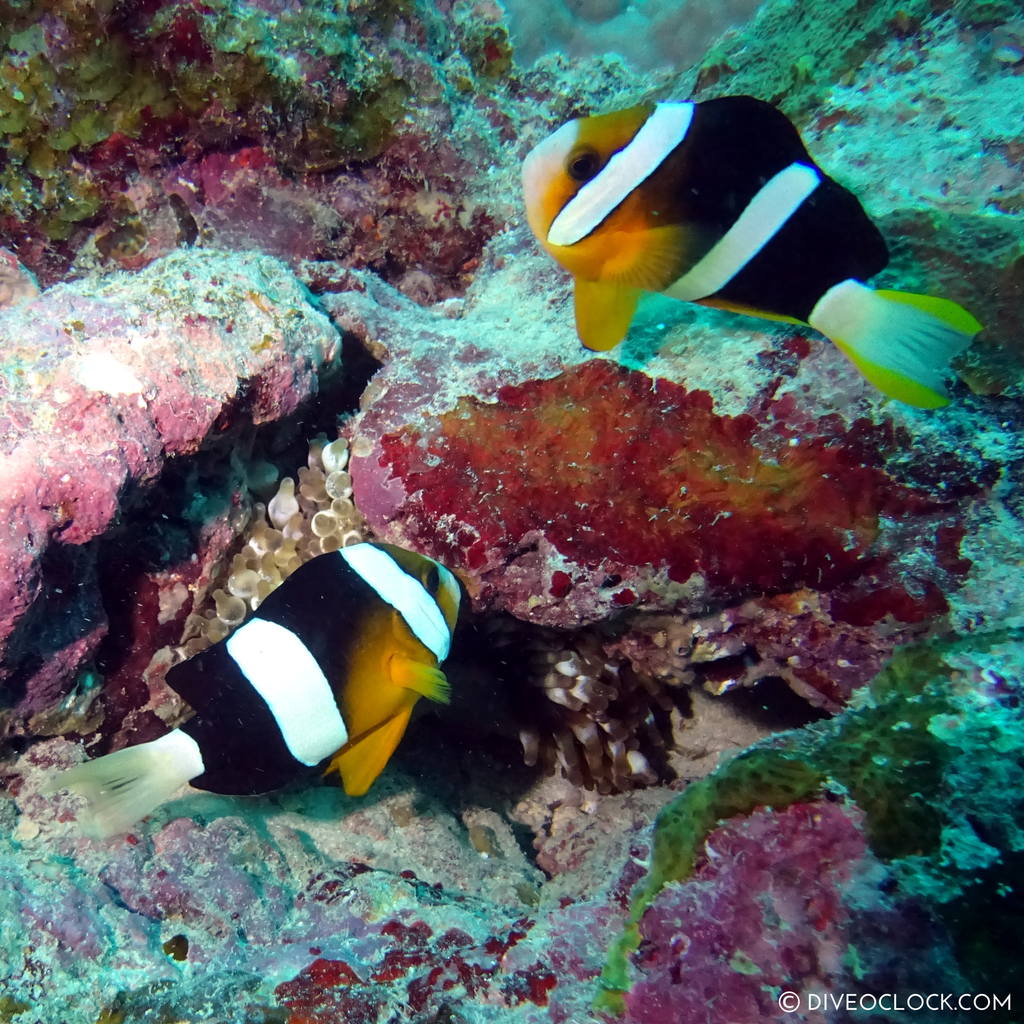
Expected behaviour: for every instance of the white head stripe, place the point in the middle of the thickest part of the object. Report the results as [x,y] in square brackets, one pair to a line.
[777,201]
[404,593]
[285,674]
[631,166]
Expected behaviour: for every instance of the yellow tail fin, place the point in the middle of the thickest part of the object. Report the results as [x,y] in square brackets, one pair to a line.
[949,312]
[902,343]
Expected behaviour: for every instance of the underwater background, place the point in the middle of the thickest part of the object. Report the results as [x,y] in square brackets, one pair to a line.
[736,724]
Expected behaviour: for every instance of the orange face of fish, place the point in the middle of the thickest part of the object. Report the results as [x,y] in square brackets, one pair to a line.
[555,171]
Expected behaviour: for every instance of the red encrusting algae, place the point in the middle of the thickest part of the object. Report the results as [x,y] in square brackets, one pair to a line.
[432,972]
[623,471]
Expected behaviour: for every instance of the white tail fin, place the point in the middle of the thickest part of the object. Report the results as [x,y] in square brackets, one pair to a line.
[127,785]
[902,343]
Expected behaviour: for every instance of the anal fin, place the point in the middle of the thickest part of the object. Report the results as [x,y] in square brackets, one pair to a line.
[361,761]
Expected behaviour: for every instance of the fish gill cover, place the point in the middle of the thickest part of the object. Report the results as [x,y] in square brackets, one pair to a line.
[259,227]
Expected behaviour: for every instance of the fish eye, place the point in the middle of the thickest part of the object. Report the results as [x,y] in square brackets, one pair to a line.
[583,165]
[433,580]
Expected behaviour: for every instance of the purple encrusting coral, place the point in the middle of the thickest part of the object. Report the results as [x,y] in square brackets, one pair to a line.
[259,223]
[764,912]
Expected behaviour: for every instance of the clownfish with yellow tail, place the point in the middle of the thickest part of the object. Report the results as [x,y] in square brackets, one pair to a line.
[719,203]
[329,667]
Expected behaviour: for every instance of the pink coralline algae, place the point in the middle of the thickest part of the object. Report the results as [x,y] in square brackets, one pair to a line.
[270,909]
[16,283]
[766,910]
[103,390]
[628,489]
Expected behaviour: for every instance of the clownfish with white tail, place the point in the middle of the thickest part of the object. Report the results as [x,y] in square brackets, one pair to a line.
[329,667]
[719,203]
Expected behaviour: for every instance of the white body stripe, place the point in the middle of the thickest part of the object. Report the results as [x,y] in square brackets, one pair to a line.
[777,201]
[285,674]
[404,593]
[659,135]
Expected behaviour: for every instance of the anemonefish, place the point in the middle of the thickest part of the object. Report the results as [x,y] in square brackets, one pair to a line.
[719,203]
[326,671]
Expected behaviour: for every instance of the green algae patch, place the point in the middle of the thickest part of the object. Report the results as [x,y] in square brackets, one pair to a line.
[921,744]
[11,1008]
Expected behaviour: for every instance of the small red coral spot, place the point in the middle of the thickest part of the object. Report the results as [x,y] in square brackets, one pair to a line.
[561,584]
[331,973]
[492,51]
[624,597]
[533,984]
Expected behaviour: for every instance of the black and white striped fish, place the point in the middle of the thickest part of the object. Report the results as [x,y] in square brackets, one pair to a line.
[720,203]
[326,671]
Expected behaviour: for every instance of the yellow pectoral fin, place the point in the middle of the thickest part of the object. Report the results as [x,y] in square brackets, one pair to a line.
[422,679]
[651,259]
[603,312]
[360,763]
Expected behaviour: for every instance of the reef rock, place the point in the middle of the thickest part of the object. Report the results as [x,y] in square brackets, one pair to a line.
[107,387]
[273,908]
[16,283]
[901,891]
[306,130]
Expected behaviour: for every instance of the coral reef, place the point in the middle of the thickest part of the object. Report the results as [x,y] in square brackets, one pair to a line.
[823,657]
[132,129]
[813,882]
[696,549]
